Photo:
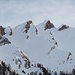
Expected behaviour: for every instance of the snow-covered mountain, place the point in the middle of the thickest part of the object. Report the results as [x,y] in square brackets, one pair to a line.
[38,50]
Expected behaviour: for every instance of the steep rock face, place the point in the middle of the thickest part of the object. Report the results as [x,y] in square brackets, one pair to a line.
[63,27]
[48,25]
[28,25]
[2,30]
[4,40]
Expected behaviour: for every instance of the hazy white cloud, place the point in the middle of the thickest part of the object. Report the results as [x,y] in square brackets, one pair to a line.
[14,12]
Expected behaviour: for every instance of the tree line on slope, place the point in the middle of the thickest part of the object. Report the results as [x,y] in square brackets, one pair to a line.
[6,69]
[46,71]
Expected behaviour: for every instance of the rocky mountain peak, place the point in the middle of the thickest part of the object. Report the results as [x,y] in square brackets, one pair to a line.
[63,27]
[48,25]
[29,22]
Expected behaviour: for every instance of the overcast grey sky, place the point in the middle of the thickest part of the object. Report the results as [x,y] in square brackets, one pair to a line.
[14,12]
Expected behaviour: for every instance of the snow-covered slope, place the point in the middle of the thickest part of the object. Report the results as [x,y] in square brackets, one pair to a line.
[42,44]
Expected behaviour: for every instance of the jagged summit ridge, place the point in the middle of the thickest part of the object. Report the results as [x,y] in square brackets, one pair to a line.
[28,25]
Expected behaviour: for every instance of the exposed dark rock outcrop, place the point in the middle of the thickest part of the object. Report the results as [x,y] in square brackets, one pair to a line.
[48,25]
[27,37]
[28,25]
[26,59]
[2,30]
[63,27]
[4,41]
[36,31]
[69,55]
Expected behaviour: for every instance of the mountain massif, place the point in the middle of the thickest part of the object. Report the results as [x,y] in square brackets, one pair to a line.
[43,49]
